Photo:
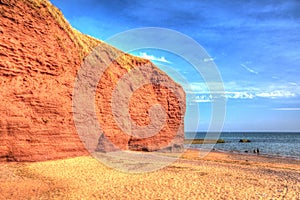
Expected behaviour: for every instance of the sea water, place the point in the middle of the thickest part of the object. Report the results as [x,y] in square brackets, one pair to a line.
[269,143]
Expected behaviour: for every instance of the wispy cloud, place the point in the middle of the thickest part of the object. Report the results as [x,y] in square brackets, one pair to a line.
[153,58]
[287,109]
[293,83]
[249,69]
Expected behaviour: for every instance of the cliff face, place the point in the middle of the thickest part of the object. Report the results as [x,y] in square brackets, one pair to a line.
[40,55]
[137,106]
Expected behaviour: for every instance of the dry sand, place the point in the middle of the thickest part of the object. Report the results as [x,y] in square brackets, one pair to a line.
[217,176]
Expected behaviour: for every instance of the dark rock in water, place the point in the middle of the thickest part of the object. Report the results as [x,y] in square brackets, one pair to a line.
[244,140]
[203,141]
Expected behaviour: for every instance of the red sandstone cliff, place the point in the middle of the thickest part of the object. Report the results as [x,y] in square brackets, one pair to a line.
[40,55]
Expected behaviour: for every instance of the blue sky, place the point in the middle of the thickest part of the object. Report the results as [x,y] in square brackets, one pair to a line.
[255,45]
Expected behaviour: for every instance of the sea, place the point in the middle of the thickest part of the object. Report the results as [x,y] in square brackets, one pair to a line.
[277,144]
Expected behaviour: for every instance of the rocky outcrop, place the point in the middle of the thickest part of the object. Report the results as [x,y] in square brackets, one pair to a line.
[40,55]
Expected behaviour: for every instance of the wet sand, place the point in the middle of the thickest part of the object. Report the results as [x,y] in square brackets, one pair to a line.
[216,176]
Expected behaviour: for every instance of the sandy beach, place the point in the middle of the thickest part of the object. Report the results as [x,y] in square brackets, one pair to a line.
[216,176]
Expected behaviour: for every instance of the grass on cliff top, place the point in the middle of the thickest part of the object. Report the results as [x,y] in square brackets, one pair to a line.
[84,42]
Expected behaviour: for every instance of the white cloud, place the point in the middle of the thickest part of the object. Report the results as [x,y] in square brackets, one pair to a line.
[209,97]
[236,91]
[202,87]
[198,87]
[153,58]
[208,59]
[249,69]
[276,94]
[239,95]
[202,99]
[287,109]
